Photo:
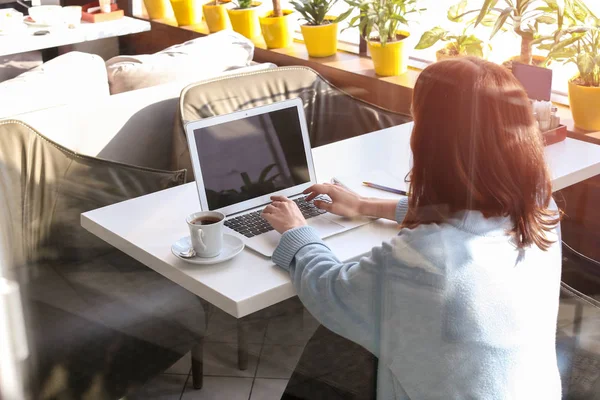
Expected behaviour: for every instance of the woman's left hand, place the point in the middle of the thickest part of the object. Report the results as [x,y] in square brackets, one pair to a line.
[283,214]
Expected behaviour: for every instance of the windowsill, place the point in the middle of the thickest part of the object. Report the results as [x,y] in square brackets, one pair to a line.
[346,68]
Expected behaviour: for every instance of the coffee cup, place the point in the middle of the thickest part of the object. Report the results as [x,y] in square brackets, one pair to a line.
[206,232]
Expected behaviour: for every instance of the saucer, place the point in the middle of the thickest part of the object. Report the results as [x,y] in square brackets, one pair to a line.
[232,246]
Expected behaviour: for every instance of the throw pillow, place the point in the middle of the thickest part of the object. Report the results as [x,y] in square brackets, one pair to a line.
[69,78]
[191,61]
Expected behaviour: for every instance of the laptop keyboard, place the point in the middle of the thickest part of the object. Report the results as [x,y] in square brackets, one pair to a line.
[252,224]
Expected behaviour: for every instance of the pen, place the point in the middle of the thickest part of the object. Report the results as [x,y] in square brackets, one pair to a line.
[384,188]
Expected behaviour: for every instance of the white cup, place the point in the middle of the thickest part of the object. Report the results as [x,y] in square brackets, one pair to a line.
[207,239]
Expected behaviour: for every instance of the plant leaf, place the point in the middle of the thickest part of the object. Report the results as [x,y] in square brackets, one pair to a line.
[246,179]
[456,11]
[344,15]
[485,9]
[265,172]
[586,63]
[546,19]
[431,37]
[474,49]
[562,54]
[501,20]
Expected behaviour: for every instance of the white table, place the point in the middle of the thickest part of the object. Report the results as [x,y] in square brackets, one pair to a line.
[24,41]
[145,227]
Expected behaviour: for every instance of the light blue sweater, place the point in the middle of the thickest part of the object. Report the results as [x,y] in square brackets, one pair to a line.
[452,310]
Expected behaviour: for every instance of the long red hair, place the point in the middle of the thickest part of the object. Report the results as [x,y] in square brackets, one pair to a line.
[476,146]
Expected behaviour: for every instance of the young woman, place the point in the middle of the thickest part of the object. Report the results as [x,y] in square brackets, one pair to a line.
[463,303]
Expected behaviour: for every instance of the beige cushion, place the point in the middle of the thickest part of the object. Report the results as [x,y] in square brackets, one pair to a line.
[191,61]
[71,78]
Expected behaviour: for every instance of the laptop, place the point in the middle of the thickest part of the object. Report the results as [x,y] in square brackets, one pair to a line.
[242,159]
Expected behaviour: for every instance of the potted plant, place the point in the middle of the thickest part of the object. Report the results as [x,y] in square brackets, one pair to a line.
[320,30]
[580,45]
[215,14]
[187,12]
[465,43]
[276,27]
[524,17]
[244,18]
[379,22]
[159,9]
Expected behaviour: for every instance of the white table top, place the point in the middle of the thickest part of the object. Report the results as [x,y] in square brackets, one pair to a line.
[61,36]
[145,227]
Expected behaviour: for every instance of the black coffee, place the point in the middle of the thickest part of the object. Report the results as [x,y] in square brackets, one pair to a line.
[206,220]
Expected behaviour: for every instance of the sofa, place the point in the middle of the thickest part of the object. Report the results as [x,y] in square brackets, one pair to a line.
[83,79]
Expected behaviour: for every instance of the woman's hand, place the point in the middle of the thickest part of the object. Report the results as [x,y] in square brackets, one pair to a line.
[283,214]
[343,202]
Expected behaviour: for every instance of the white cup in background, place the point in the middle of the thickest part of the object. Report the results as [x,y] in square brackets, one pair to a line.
[72,15]
[206,231]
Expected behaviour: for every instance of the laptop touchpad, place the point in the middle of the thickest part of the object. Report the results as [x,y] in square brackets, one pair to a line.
[325,227]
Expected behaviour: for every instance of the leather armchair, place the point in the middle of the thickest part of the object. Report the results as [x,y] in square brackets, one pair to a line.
[99,324]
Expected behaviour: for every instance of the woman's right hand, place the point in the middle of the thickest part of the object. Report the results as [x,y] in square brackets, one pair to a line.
[343,202]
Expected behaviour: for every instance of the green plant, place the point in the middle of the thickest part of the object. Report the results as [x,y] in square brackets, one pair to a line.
[244,4]
[524,17]
[380,19]
[463,43]
[313,11]
[578,44]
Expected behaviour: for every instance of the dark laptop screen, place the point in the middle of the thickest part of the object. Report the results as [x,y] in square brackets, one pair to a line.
[251,157]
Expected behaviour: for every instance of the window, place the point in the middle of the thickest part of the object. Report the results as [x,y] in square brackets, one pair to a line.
[503,46]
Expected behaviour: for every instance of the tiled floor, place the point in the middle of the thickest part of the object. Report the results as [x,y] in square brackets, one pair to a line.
[276,336]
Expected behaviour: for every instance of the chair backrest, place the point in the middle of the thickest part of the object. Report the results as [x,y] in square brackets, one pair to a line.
[331,114]
[45,187]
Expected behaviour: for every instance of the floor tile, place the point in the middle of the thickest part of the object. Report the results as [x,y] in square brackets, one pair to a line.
[163,387]
[221,359]
[268,389]
[296,328]
[181,367]
[220,388]
[277,361]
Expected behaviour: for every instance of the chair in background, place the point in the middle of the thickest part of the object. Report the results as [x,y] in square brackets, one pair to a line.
[578,334]
[99,324]
[331,113]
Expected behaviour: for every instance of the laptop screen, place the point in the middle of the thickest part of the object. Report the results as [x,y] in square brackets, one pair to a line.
[251,157]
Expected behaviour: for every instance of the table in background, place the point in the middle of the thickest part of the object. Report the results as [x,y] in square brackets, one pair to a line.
[25,41]
[145,227]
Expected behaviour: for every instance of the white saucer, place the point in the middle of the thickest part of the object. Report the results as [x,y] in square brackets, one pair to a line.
[35,24]
[232,246]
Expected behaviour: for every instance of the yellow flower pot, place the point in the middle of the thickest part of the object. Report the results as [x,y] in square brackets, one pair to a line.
[187,12]
[216,16]
[277,31]
[321,40]
[442,54]
[585,103]
[159,9]
[391,59]
[245,20]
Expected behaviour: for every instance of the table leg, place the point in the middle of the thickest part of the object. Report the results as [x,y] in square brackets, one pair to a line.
[242,347]
[198,365]
[49,54]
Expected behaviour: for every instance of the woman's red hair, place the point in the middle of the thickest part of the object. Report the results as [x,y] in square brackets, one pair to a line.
[476,146]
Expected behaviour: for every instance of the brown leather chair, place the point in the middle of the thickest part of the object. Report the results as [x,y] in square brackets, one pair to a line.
[331,113]
[99,324]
